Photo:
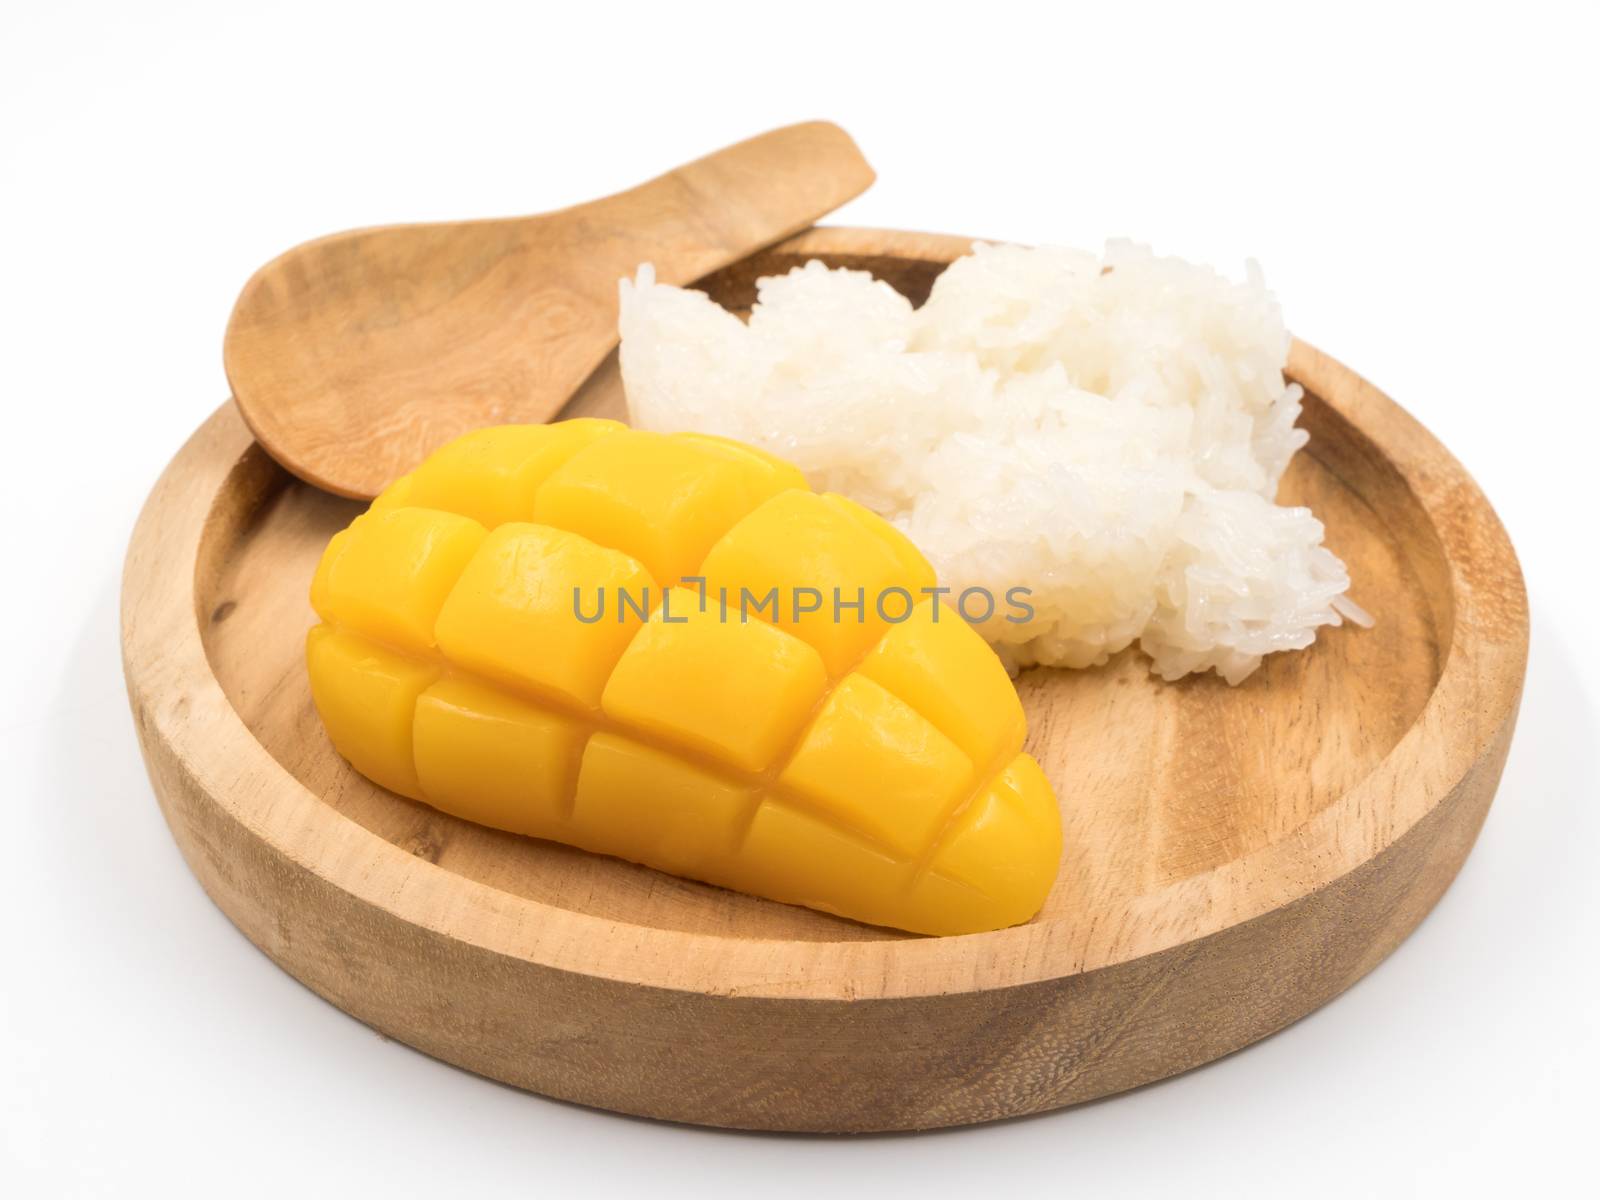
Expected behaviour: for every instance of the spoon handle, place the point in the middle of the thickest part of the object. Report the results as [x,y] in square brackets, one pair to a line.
[710,212]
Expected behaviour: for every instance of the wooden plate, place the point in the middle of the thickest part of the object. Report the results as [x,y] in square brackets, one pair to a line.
[1235,856]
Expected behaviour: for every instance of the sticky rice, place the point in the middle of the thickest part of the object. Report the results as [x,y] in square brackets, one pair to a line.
[1107,432]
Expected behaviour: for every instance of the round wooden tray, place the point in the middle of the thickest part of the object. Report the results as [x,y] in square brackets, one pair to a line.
[1235,856]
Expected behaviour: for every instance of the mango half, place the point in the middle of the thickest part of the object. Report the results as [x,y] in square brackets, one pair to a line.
[667,648]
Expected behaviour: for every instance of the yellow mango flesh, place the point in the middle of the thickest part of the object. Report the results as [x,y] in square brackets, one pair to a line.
[714,719]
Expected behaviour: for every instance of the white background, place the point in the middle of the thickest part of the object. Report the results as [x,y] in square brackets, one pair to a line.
[1419,186]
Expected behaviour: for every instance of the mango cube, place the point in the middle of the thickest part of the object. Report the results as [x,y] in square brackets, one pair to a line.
[388,574]
[494,474]
[836,571]
[690,819]
[697,675]
[494,758]
[664,500]
[954,681]
[367,696]
[865,735]
[511,613]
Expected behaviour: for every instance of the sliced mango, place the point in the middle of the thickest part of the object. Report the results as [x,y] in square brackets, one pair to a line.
[667,649]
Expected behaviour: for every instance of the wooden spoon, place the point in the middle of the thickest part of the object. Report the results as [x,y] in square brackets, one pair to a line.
[354,356]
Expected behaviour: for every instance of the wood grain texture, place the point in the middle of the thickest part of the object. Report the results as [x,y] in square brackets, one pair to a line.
[1235,857]
[354,357]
